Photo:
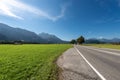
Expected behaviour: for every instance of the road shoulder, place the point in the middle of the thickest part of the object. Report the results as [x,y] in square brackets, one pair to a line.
[73,67]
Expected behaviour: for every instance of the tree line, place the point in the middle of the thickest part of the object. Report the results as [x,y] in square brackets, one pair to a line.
[79,40]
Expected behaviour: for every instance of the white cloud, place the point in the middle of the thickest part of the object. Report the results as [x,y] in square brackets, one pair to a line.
[13,8]
[6,10]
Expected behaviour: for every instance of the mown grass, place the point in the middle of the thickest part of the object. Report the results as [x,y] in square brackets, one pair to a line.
[104,46]
[29,62]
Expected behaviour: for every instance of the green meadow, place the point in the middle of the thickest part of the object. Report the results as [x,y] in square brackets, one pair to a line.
[104,46]
[30,62]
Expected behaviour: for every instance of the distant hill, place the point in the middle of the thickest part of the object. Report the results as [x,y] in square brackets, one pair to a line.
[8,33]
[51,38]
[92,40]
[103,40]
[12,34]
[3,37]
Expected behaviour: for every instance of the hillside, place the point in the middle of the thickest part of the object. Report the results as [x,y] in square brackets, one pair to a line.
[8,33]
[103,40]
[51,38]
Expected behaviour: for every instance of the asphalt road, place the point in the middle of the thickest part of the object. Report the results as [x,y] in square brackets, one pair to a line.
[73,67]
[105,61]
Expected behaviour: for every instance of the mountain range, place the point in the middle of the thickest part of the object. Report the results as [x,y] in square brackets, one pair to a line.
[103,40]
[8,33]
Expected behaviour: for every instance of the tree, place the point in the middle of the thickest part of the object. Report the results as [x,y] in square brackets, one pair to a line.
[80,40]
[73,41]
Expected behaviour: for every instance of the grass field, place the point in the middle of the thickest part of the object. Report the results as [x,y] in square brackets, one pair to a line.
[105,46]
[29,62]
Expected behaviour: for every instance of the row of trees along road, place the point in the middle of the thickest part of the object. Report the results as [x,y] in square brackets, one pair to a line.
[79,40]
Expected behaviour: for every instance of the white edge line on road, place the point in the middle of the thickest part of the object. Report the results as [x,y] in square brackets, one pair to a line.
[96,71]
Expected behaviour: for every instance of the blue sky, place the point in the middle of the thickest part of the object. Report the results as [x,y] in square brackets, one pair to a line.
[67,19]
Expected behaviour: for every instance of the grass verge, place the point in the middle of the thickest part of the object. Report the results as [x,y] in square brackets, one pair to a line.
[104,46]
[30,62]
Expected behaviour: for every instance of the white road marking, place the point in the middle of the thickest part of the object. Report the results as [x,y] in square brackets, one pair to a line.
[96,71]
[108,52]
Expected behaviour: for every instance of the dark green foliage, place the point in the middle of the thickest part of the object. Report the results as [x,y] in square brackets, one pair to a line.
[73,41]
[80,40]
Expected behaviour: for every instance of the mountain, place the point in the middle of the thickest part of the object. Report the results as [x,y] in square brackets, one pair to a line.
[92,40]
[103,40]
[115,40]
[51,38]
[12,34]
[3,37]
[8,33]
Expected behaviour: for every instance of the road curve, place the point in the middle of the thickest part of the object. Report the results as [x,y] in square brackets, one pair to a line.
[105,61]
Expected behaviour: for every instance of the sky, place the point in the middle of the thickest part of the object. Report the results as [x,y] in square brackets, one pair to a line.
[67,19]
